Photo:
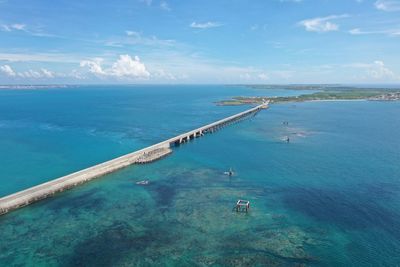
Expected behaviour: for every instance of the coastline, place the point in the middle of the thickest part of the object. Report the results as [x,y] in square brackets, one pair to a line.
[337,100]
[35,87]
[325,94]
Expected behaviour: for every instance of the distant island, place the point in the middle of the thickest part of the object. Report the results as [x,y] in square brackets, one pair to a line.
[324,93]
[34,86]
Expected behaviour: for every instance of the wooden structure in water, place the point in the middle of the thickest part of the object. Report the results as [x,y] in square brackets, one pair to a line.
[242,205]
[145,155]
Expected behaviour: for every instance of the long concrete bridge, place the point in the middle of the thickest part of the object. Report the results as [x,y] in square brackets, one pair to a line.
[47,189]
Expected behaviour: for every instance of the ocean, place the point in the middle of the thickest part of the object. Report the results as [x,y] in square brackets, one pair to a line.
[330,197]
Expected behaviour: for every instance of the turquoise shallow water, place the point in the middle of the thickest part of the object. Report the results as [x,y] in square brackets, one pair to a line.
[328,198]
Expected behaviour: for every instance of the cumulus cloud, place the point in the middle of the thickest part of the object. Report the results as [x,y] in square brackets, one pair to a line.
[47,73]
[36,74]
[125,66]
[321,24]
[263,76]
[94,66]
[388,5]
[129,67]
[205,25]
[255,75]
[376,70]
[164,75]
[7,70]
[31,74]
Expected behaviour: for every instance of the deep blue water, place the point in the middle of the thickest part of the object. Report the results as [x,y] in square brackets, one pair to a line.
[328,198]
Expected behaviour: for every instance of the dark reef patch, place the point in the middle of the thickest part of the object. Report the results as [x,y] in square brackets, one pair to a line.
[120,243]
[265,247]
[249,259]
[346,209]
[89,200]
[163,192]
[383,191]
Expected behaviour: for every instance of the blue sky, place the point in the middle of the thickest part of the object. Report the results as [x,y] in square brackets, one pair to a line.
[199,41]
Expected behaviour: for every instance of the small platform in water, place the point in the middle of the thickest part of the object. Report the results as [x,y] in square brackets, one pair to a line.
[230,172]
[153,155]
[242,205]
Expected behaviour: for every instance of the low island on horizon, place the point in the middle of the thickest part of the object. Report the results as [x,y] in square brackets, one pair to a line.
[318,93]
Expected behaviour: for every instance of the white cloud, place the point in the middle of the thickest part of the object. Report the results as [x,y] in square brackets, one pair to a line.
[75,74]
[164,5]
[34,31]
[40,57]
[94,66]
[388,5]
[19,27]
[8,70]
[205,25]
[322,24]
[254,27]
[137,38]
[33,74]
[391,32]
[395,32]
[39,74]
[147,2]
[124,67]
[129,67]
[132,33]
[30,74]
[263,76]
[245,76]
[249,74]
[357,31]
[13,27]
[163,75]
[48,74]
[376,70]
[257,27]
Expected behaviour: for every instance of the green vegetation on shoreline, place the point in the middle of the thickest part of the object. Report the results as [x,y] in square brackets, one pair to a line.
[324,93]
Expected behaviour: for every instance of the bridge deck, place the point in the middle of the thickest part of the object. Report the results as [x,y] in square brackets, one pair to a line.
[44,190]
